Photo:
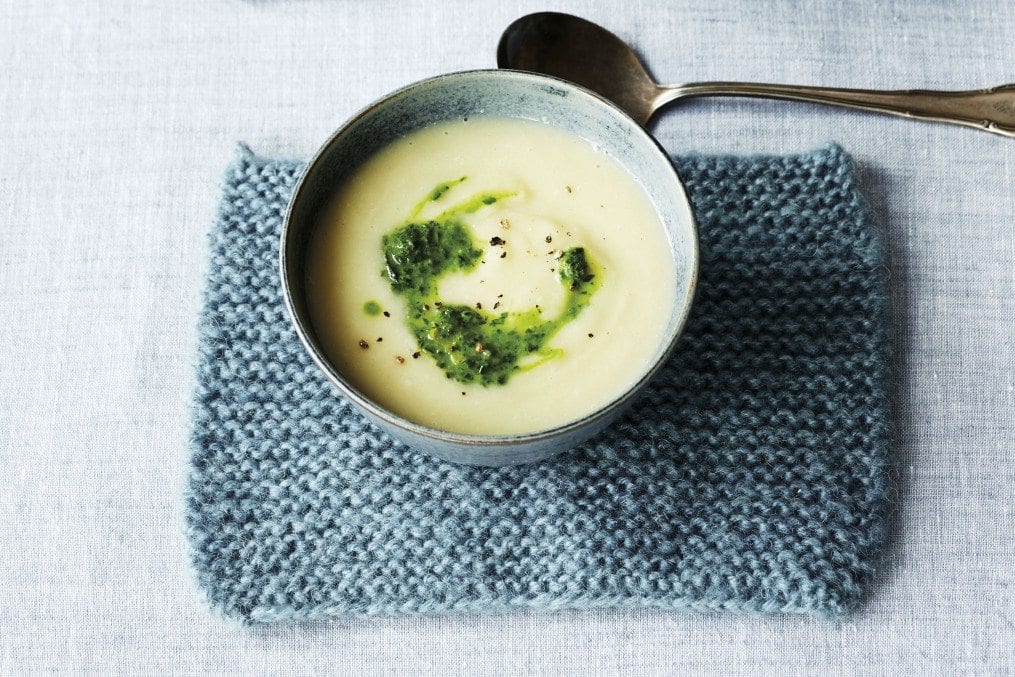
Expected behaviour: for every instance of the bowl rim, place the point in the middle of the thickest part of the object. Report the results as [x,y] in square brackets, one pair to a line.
[467,439]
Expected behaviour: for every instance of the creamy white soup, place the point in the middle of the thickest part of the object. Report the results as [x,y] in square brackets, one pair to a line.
[491,276]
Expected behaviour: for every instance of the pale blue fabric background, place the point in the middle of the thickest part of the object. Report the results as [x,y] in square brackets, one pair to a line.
[116,122]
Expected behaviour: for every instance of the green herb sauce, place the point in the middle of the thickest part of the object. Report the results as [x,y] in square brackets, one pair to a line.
[372,308]
[472,345]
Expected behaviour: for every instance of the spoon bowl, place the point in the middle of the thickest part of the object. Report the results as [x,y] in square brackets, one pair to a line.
[574,49]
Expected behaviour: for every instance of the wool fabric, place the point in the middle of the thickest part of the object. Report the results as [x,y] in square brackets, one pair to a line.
[751,475]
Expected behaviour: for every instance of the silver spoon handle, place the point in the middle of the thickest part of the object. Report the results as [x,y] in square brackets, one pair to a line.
[992,110]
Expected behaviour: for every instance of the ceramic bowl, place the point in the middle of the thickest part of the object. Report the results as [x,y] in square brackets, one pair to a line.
[471,94]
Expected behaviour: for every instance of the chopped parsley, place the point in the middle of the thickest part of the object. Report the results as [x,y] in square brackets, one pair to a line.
[469,344]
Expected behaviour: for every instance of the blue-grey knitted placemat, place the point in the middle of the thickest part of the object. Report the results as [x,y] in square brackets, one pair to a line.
[751,476]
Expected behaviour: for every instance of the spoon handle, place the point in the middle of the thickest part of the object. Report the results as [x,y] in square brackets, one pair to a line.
[991,110]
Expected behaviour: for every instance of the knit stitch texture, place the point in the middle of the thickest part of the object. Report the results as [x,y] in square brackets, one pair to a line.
[752,475]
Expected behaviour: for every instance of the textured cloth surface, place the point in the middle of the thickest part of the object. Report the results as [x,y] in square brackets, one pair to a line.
[118,117]
[750,476]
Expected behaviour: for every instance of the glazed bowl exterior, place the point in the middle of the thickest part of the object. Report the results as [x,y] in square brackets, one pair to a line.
[471,94]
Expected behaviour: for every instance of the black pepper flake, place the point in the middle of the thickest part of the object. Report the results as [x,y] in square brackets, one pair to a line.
[399,359]
[549,239]
[479,306]
[496,305]
[387,314]
[463,392]
[363,344]
[500,296]
[415,355]
[567,188]
[426,306]
[591,335]
[438,304]
[380,338]
[503,254]
[497,240]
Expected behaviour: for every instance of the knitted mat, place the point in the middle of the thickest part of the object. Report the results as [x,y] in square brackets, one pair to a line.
[752,475]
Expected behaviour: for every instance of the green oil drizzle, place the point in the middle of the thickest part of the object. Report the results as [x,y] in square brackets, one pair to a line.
[372,308]
[472,345]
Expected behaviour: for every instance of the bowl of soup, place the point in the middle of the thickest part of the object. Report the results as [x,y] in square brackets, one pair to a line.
[489,265]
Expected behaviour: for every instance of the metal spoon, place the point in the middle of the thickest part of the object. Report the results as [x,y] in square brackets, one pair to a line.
[578,50]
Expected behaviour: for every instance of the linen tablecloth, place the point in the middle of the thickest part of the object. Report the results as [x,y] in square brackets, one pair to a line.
[118,119]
